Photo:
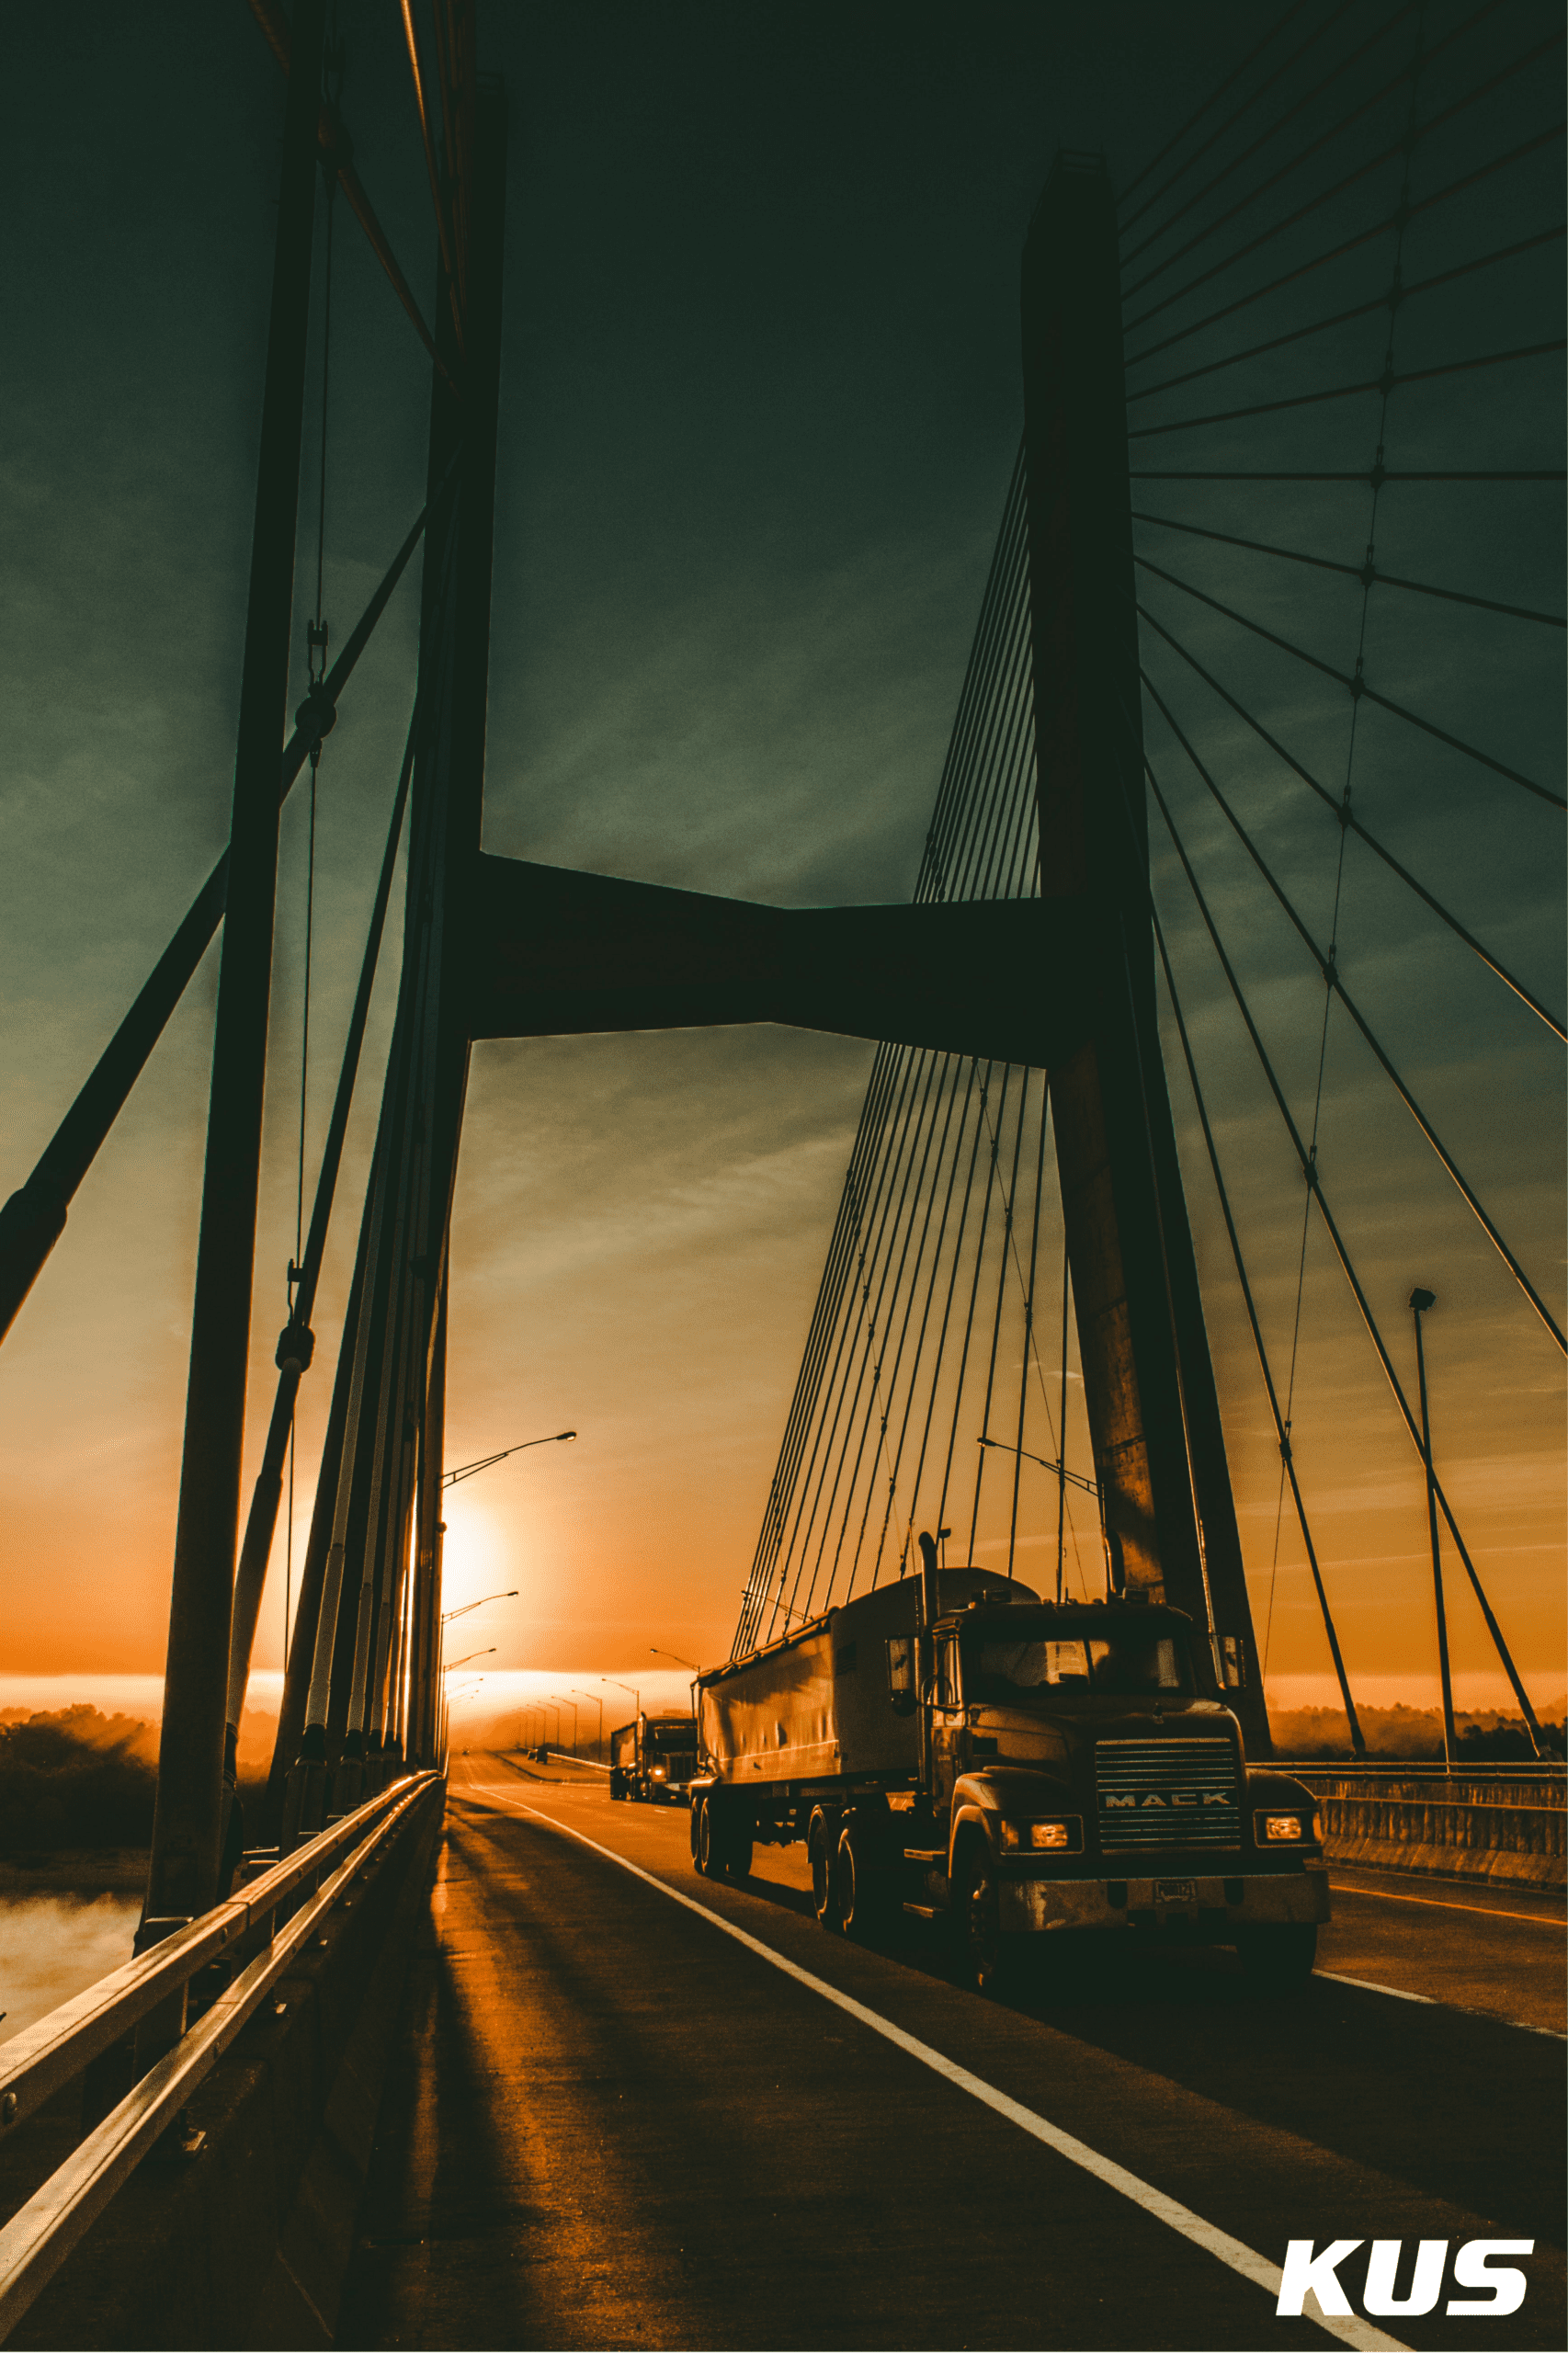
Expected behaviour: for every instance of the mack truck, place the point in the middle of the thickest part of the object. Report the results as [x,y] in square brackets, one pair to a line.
[654,1759]
[1023,1772]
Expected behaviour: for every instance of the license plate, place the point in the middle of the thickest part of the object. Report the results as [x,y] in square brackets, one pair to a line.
[1176,1891]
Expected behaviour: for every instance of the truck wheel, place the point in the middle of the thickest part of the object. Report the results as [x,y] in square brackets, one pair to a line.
[1279,1959]
[864,1896]
[704,1844]
[737,1855]
[986,1957]
[822,1850]
[617,1786]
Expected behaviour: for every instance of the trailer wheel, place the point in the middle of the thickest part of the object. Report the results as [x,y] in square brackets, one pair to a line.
[822,1852]
[863,1892]
[1278,1959]
[986,1957]
[704,1845]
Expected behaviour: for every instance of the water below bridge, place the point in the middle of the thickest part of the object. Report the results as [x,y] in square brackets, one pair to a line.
[614,2121]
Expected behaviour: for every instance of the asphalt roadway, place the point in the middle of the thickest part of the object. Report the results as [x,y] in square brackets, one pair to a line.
[615,2122]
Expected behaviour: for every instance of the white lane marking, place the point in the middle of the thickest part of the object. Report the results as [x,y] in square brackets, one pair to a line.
[1263,2274]
[1398,1993]
[1438,1904]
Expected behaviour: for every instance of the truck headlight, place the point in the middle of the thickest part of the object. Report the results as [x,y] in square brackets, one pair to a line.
[658,1774]
[1281,1825]
[1044,1836]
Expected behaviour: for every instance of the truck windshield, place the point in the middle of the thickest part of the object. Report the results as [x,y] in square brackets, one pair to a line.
[1001,1666]
[673,1736]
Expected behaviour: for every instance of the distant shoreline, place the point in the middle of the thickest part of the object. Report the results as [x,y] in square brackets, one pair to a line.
[74,1871]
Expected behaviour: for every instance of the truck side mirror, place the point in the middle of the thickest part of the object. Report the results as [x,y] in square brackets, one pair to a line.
[901,1674]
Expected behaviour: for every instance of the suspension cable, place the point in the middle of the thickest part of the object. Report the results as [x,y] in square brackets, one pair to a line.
[443,226]
[1401,147]
[1357,311]
[1314,1186]
[1352,57]
[1360,171]
[1385,383]
[1287,1452]
[1329,970]
[1368,573]
[1029,1330]
[1349,819]
[1386,227]
[1357,685]
[1009,1199]
[1193,120]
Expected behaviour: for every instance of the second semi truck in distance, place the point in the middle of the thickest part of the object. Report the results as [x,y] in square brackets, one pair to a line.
[654,1759]
[952,1746]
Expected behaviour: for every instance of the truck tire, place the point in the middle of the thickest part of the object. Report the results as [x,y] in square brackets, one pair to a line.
[720,1846]
[864,1883]
[1278,1959]
[986,1959]
[616,1785]
[822,1852]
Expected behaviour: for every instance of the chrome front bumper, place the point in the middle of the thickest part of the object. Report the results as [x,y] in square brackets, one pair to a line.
[1266,1898]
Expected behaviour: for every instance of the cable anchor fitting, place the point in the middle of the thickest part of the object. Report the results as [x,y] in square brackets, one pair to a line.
[296,1344]
[317,715]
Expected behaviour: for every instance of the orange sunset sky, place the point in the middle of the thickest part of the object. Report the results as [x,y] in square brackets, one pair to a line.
[760,406]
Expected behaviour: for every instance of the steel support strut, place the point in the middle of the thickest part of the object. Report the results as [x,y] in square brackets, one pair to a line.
[1170,1524]
[182,1878]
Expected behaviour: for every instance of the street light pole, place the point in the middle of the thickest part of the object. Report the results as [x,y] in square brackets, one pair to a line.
[598,1703]
[468,1470]
[572,1705]
[448,1615]
[624,1686]
[1420,1301]
[696,1671]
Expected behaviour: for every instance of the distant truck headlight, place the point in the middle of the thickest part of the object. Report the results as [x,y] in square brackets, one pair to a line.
[658,1774]
[1277,1826]
[1046,1836]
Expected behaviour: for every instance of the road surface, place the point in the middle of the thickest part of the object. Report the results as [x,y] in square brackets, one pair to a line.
[614,2122]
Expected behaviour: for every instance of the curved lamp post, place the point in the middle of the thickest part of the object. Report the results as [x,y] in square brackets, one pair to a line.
[468,1470]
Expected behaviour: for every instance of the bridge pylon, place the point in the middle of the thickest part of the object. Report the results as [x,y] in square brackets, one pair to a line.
[1168,1513]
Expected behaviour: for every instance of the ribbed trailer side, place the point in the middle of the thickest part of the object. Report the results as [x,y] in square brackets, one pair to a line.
[821,1705]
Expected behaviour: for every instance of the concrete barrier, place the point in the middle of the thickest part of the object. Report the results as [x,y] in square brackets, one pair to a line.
[245,2242]
[1505,1830]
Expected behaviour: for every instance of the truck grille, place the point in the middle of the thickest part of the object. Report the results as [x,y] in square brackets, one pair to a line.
[1167,1794]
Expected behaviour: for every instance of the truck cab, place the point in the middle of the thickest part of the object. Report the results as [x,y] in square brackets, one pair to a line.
[1084,1773]
[654,1759]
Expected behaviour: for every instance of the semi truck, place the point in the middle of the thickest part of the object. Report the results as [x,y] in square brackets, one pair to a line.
[1022,1772]
[654,1759]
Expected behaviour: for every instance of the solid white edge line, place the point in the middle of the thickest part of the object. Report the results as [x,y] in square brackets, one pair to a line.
[1169,2211]
[1398,1993]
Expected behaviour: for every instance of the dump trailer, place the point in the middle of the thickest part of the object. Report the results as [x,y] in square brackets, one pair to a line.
[654,1759]
[952,1746]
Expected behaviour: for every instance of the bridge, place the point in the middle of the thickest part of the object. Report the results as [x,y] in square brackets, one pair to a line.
[436,2044]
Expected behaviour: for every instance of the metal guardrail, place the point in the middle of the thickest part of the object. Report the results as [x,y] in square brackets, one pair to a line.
[46,2057]
[566,1757]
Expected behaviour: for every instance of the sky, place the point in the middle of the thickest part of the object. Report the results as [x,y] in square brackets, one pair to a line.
[760,404]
